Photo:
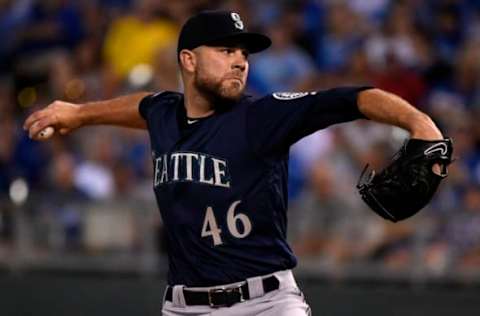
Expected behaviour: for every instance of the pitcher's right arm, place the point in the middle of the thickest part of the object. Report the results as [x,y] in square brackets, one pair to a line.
[65,117]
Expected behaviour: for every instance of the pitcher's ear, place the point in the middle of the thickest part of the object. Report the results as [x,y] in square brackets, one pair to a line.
[187,60]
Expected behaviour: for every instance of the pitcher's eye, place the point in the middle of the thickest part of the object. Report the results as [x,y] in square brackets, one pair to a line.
[226,50]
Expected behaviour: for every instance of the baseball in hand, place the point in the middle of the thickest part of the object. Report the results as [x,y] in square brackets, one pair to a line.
[46,133]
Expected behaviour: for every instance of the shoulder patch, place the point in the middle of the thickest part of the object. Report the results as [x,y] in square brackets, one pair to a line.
[291,95]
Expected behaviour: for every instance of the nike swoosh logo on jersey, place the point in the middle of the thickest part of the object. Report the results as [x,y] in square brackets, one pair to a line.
[441,147]
[191,121]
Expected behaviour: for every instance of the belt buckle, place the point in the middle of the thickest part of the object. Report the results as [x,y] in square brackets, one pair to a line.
[226,292]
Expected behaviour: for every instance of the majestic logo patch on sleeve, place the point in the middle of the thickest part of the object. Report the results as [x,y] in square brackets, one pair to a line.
[291,95]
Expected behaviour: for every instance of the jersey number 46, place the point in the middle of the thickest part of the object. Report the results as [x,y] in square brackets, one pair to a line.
[210,227]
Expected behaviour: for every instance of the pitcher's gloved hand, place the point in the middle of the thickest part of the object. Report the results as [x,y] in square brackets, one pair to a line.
[406,185]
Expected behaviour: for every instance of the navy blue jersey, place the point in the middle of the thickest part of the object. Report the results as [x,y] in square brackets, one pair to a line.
[221,181]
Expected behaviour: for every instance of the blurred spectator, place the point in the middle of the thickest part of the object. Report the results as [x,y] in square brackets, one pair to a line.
[449,28]
[330,227]
[52,24]
[303,155]
[321,214]
[283,67]
[468,72]
[341,36]
[402,81]
[166,75]
[131,44]
[13,16]
[373,10]
[357,71]
[66,201]
[457,243]
[93,175]
[398,40]
[395,52]
[8,165]
[53,28]
[466,230]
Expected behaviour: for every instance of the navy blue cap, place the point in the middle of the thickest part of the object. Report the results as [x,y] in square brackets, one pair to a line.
[217,27]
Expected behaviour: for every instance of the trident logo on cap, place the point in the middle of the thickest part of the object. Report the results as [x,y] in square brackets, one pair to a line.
[238,20]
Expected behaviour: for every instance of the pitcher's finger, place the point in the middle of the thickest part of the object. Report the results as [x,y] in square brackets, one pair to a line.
[32,118]
[64,131]
[39,125]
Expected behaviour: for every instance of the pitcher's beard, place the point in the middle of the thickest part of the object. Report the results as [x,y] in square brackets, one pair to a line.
[217,92]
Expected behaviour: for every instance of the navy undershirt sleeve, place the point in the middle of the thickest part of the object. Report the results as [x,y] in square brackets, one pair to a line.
[277,121]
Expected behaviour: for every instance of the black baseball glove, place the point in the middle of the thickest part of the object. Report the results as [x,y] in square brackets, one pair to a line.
[406,185]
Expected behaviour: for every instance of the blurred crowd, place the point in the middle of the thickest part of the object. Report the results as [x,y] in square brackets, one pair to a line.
[428,52]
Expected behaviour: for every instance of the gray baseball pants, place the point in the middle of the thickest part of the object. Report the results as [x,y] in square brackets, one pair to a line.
[287,300]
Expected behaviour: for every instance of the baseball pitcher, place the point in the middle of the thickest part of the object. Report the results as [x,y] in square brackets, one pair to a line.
[220,161]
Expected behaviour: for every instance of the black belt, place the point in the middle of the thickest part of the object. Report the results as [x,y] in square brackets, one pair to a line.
[223,297]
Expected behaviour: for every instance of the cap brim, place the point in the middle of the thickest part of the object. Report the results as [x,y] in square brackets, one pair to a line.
[253,42]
